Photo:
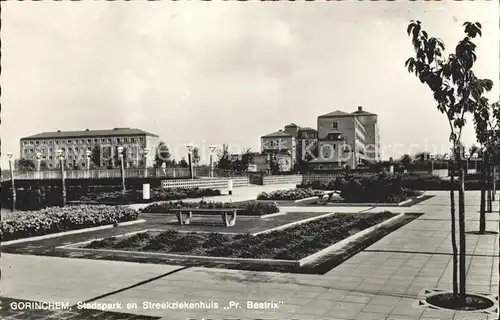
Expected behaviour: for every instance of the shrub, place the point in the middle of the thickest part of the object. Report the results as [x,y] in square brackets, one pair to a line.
[23,224]
[246,208]
[291,194]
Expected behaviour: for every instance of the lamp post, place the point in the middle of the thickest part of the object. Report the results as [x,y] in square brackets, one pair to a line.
[11,168]
[145,160]
[432,156]
[475,157]
[88,153]
[189,146]
[467,157]
[212,149]
[38,161]
[60,155]
[122,168]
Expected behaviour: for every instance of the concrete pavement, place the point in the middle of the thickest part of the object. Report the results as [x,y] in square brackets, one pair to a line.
[381,282]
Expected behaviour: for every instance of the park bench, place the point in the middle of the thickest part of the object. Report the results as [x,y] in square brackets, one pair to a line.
[228,215]
[330,195]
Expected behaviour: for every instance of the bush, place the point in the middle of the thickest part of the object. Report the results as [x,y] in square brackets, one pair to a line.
[292,194]
[23,224]
[252,208]
[135,196]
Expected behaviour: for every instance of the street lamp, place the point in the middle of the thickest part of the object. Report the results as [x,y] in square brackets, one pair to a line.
[432,156]
[212,149]
[122,168]
[89,154]
[467,157]
[38,161]
[146,151]
[60,155]
[10,155]
[190,147]
[475,156]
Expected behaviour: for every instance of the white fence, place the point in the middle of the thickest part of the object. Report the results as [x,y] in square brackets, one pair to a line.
[205,183]
[331,176]
[288,179]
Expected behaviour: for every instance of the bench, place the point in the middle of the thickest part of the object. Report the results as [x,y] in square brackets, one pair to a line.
[330,195]
[228,215]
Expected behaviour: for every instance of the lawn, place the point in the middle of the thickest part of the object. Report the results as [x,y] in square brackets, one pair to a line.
[293,243]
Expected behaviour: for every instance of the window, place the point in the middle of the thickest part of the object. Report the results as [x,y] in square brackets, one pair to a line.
[335,125]
[69,141]
[37,142]
[103,140]
[50,157]
[82,141]
[25,143]
[96,140]
[44,142]
[118,140]
[141,139]
[132,140]
[25,150]
[125,140]
[50,164]
[31,142]
[89,141]
[109,140]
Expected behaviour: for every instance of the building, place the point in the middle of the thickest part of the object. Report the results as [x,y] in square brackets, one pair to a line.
[347,139]
[280,146]
[75,144]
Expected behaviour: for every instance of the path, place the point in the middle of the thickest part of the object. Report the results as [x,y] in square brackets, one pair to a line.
[380,282]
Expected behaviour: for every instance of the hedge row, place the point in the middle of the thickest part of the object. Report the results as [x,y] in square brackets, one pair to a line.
[251,208]
[23,224]
[382,188]
[291,194]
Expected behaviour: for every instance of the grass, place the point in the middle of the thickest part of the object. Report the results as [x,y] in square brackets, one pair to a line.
[293,243]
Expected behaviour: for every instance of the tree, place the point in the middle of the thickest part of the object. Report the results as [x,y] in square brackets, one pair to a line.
[24,165]
[183,163]
[422,156]
[95,156]
[457,92]
[406,160]
[195,156]
[162,155]
[487,126]
[223,156]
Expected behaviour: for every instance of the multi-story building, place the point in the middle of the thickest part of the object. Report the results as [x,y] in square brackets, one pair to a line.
[347,139]
[280,146]
[75,144]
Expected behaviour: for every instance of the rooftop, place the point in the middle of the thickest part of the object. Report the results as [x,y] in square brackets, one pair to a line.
[335,114]
[277,134]
[90,133]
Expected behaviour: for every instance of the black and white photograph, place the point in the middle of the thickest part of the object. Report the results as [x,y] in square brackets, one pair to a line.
[244,160]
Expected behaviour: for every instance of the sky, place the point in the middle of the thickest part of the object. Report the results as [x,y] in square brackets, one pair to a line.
[228,72]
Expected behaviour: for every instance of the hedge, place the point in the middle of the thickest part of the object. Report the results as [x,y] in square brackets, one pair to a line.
[291,194]
[251,208]
[24,224]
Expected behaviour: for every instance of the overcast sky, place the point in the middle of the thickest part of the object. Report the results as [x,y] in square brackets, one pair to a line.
[227,72]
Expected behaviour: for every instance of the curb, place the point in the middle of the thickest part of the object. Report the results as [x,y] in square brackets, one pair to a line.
[60,234]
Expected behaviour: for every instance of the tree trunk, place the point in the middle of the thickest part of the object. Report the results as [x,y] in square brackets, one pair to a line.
[482,210]
[454,234]
[461,230]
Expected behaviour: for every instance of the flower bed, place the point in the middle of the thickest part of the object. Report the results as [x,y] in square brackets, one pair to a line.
[24,224]
[251,208]
[290,244]
[291,194]
[376,189]
[135,196]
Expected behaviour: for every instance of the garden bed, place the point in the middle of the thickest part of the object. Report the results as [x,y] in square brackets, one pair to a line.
[25,224]
[291,194]
[250,208]
[136,196]
[294,243]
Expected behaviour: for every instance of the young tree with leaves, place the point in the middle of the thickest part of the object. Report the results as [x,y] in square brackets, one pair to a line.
[162,154]
[457,92]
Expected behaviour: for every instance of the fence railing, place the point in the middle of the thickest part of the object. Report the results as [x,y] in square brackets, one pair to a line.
[208,183]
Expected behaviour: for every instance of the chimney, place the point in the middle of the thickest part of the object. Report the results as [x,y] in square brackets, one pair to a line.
[360,108]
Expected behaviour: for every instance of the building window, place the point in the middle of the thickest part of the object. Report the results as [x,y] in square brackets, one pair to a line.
[117,140]
[109,140]
[132,140]
[25,150]
[89,141]
[335,125]
[141,139]
[25,143]
[103,140]
[50,157]
[82,141]
[37,142]
[125,140]
[50,165]
[69,141]
[44,142]
[31,142]
[96,140]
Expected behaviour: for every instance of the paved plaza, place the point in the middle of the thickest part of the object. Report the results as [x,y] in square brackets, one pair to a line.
[381,282]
